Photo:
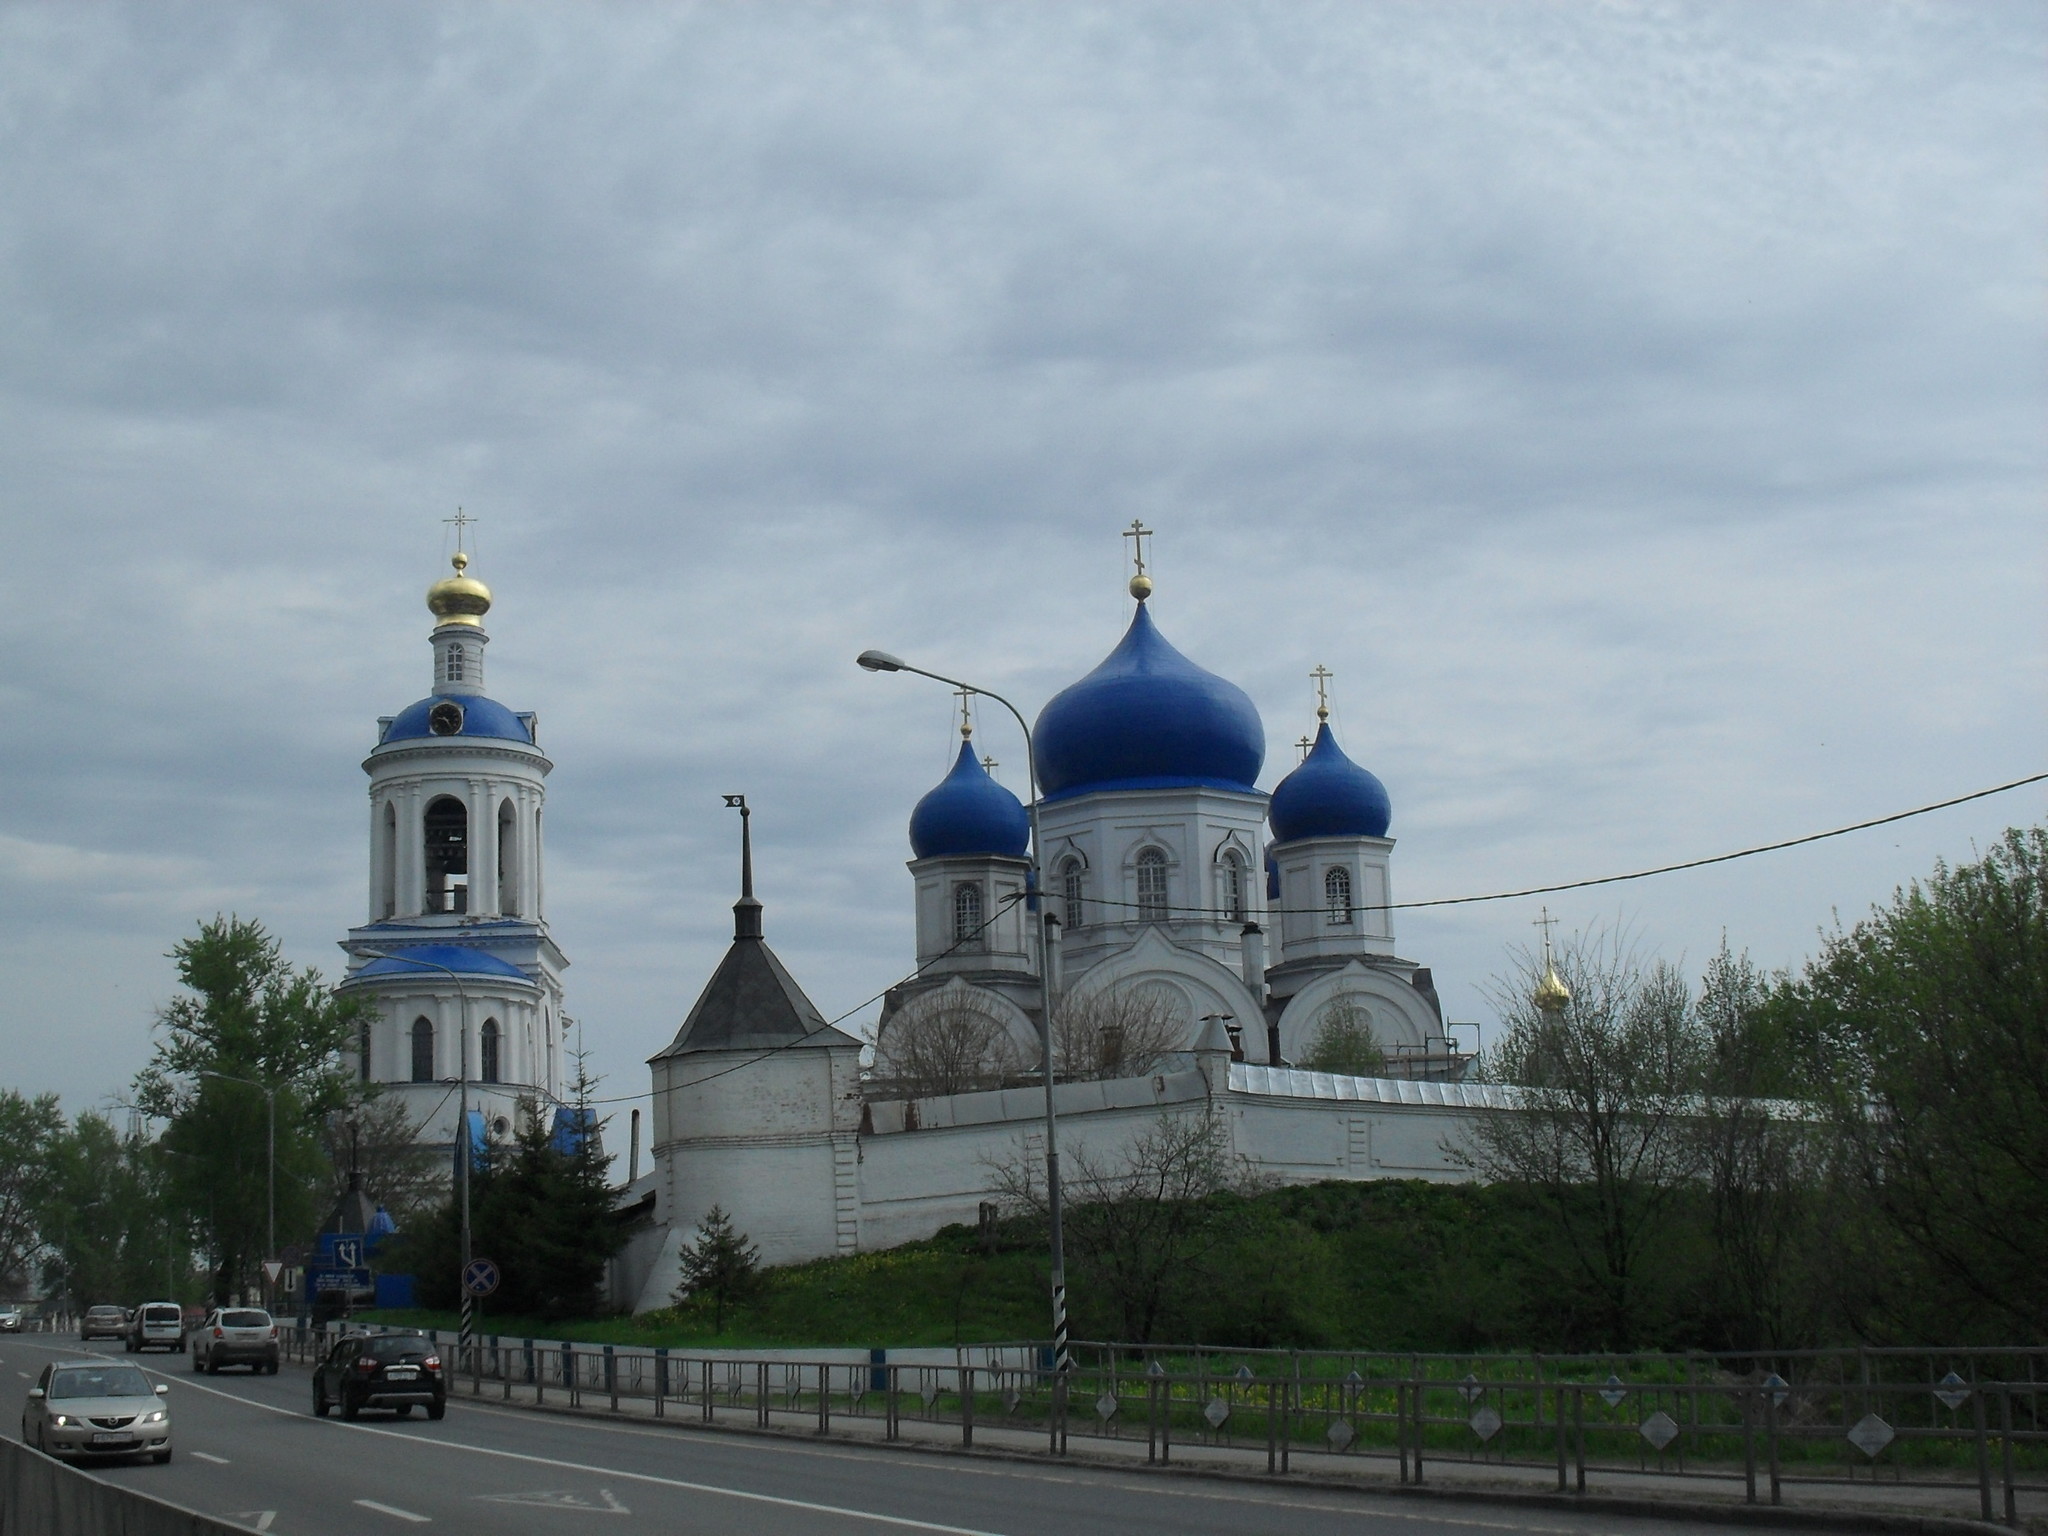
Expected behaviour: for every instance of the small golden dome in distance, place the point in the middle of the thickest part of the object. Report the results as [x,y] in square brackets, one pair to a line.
[1551,994]
[1141,586]
[461,598]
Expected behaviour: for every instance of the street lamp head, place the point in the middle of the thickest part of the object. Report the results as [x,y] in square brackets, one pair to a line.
[878,661]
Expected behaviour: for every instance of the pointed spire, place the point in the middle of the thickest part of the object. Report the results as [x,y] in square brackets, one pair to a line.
[746,912]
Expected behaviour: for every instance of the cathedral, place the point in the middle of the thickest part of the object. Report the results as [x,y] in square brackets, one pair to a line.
[455,951]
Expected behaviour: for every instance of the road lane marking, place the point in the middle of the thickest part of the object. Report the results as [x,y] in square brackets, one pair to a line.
[1104,1475]
[559,1499]
[259,1519]
[395,1512]
[218,1461]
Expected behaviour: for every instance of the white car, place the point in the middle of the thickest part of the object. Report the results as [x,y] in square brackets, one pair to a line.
[235,1336]
[10,1319]
[96,1407]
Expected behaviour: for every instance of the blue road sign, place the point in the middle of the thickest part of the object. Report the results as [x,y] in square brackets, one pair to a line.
[480,1277]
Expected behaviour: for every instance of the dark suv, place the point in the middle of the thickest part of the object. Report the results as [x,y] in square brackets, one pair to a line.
[399,1371]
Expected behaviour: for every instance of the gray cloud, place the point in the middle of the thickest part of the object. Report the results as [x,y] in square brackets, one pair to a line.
[1638,405]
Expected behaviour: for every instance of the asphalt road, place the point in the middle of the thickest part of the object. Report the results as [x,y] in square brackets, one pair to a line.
[249,1450]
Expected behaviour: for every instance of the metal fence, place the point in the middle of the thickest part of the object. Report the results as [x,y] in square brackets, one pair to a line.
[1770,1429]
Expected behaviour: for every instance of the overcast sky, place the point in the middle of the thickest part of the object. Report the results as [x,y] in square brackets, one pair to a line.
[1638,407]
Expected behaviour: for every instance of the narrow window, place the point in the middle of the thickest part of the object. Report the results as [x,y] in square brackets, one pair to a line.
[387,896]
[422,1050]
[1232,874]
[454,658]
[1070,891]
[487,1051]
[508,859]
[1337,895]
[363,1050]
[1151,886]
[447,838]
[966,912]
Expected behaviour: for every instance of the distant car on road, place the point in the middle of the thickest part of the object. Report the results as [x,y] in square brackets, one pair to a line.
[399,1371]
[95,1407]
[10,1319]
[157,1325]
[103,1323]
[235,1336]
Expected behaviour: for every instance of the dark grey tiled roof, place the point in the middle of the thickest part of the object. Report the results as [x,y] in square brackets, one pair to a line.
[751,1002]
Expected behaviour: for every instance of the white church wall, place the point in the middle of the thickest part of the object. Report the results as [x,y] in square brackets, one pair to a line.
[1402,1021]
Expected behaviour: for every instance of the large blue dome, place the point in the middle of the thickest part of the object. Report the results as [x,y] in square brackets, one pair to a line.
[968,812]
[1329,796]
[1148,718]
[480,717]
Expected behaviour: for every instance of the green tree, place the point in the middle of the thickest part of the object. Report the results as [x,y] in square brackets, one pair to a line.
[249,1022]
[1927,1026]
[722,1265]
[112,1235]
[29,1131]
[1344,1043]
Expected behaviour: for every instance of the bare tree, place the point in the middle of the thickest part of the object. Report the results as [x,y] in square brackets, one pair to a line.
[375,1134]
[1140,1226]
[951,1040]
[1344,1043]
[1121,1031]
[1608,1078]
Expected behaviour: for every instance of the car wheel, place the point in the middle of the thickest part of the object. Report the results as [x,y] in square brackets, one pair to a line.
[270,1369]
[403,1410]
[349,1407]
[319,1402]
[212,1364]
[198,1364]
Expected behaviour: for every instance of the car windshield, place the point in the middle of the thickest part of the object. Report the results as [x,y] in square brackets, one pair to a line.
[105,1312]
[245,1319]
[100,1381]
[399,1348]
[160,1314]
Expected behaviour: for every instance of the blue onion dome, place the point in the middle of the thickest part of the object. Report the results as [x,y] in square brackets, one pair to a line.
[1329,796]
[1148,718]
[968,812]
[469,714]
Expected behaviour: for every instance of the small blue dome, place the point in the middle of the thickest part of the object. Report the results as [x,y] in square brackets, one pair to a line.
[1148,718]
[431,959]
[480,717]
[1329,796]
[572,1128]
[968,812]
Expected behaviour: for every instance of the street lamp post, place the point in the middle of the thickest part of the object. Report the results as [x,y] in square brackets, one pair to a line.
[882,661]
[468,1302]
[270,1095]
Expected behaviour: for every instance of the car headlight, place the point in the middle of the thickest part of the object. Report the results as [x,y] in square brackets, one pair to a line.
[155,1418]
[62,1420]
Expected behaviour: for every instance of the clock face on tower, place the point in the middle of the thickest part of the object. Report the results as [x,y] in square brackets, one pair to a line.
[445,719]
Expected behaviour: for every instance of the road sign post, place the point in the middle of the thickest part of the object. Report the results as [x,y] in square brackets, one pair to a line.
[479,1279]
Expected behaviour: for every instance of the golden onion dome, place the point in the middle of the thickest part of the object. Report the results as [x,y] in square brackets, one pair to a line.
[1551,994]
[461,598]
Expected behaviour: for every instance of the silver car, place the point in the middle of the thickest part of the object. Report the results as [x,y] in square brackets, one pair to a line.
[235,1336]
[97,1407]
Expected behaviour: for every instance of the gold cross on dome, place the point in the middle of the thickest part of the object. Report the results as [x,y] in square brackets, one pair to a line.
[1138,533]
[966,720]
[1322,676]
[1546,922]
[989,766]
[460,520]
[1302,747]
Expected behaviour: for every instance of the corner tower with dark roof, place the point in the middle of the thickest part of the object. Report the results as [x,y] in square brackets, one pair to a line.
[456,953]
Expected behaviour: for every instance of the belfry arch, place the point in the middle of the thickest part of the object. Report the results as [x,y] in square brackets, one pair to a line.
[446,827]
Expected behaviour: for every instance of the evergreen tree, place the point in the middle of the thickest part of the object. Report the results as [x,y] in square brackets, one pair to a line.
[723,1265]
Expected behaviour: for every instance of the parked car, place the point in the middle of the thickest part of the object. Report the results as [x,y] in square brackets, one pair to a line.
[235,1336]
[103,1323]
[95,1407]
[399,1371]
[157,1325]
[10,1319]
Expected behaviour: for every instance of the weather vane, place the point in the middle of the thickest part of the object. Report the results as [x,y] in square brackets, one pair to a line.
[1322,676]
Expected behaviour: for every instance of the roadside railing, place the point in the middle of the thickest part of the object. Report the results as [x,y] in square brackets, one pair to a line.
[1776,1435]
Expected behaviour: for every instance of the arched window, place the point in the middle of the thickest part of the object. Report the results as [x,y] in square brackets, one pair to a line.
[1230,875]
[387,858]
[447,829]
[508,859]
[1070,892]
[1337,895]
[363,1050]
[451,670]
[966,912]
[487,1052]
[1151,886]
[423,1050]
